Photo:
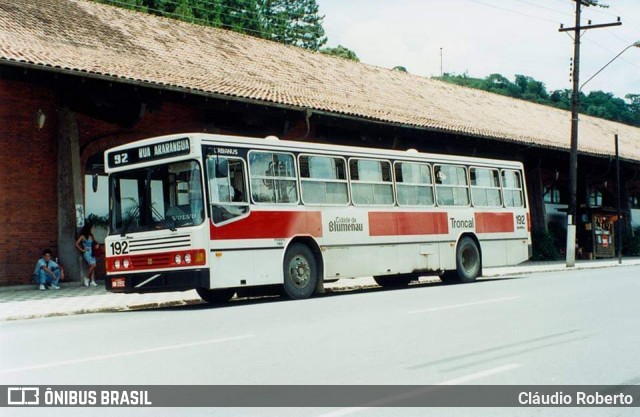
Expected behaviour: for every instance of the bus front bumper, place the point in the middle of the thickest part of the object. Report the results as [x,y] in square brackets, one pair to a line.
[163,281]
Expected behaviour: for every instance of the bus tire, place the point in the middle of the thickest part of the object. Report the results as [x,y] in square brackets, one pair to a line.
[468,261]
[394,281]
[216,296]
[300,272]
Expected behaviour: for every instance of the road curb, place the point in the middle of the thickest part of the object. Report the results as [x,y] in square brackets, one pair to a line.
[365,283]
[106,309]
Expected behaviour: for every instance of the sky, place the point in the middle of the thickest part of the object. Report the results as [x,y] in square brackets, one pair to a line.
[483,37]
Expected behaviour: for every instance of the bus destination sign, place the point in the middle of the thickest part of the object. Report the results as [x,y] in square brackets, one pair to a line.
[149,153]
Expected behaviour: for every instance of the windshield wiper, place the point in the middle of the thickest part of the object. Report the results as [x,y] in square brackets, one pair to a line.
[132,216]
[171,225]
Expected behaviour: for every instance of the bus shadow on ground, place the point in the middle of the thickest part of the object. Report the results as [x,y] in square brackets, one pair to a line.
[257,297]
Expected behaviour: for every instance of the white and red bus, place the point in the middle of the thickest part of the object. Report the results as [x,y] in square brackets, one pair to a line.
[221,213]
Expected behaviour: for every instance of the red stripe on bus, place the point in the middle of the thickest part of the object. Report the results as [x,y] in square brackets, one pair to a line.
[494,222]
[407,223]
[271,225]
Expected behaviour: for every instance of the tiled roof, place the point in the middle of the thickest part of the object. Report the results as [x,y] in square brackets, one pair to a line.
[86,37]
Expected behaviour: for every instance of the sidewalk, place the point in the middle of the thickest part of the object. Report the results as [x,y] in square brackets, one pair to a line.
[26,302]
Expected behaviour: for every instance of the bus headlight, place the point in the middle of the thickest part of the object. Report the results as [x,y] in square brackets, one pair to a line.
[126,263]
[116,264]
[177,259]
[187,258]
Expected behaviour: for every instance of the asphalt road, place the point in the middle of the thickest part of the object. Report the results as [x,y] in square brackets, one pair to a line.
[576,327]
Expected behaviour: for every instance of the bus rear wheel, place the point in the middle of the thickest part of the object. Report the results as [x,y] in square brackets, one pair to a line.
[468,263]
[467,260]
[300,272]
[216,296]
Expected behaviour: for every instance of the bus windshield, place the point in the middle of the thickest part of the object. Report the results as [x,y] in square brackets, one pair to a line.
[166,196]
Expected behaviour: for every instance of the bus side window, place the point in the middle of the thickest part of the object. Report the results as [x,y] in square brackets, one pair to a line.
[227,188]
[323,180]
[273,178]
[414,186]
[485,187]
[451,185]
[371,182]
[237,181]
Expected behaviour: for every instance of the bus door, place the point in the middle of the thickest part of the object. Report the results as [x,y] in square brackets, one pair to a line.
[231,259]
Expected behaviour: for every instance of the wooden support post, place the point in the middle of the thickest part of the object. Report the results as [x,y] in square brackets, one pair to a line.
[70,207]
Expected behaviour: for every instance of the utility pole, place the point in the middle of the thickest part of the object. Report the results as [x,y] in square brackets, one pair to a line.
[618,200]
[440,62]
[575,106]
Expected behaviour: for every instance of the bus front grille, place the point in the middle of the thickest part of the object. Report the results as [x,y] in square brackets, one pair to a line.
[164,243]
[159,260]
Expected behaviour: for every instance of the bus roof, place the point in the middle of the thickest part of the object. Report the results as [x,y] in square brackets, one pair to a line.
[272,142]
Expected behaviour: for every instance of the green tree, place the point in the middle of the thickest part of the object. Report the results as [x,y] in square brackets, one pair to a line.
[126,4]
[463,80]
[605,105]
[596,103]
[342,52]
[561,99]
[294,22]
[244,16]
[184,9]
[400,68]
[532,90]
[634,106]
[497,83]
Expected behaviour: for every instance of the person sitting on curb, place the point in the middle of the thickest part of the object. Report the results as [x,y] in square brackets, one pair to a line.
[48,272]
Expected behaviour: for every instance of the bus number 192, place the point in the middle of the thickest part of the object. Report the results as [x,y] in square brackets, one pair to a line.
[119,248]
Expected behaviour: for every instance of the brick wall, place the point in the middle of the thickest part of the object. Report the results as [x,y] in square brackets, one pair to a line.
[28,215]
[28,172]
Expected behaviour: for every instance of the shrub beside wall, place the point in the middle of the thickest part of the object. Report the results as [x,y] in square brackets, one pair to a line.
[545,247]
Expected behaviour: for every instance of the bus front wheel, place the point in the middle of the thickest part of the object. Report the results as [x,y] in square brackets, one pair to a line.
[300,272]
[216,296]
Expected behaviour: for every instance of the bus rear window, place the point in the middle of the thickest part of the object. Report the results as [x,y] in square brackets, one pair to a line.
[512,189]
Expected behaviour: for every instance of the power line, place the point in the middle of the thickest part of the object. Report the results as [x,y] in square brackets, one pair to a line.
[626,41]
[513,11]
[609,51]
[608,31]
[599,10]
[242,12]
[627,19]
[225,6]
[542,7]
[204,22]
